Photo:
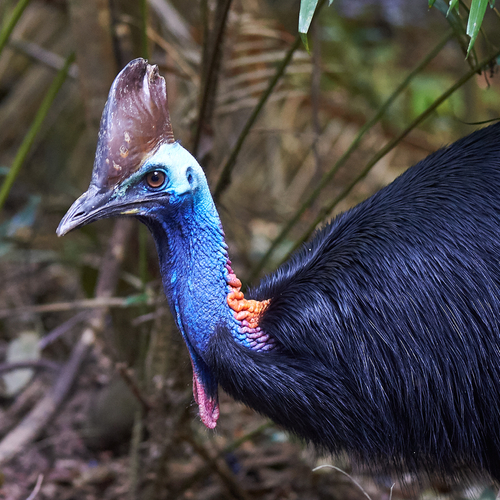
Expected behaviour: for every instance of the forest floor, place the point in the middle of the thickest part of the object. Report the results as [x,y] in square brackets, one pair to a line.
[63,464]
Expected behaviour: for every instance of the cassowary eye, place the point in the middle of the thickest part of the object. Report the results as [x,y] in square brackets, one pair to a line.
[155,179]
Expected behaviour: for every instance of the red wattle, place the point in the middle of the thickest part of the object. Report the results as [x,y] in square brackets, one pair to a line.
[208,407]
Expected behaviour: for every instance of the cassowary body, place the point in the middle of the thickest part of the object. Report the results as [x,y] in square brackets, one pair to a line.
[380,337]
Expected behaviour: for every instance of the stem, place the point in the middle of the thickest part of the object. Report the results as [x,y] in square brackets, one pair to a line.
[327,177]
[325,211]
[11,23]
[225,176]
[144,29]
[96,303]
[211,66]
[30,136]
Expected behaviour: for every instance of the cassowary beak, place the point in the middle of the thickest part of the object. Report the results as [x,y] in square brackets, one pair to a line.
[88,208]
[96,204]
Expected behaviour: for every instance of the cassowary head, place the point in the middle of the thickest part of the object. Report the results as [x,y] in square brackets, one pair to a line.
[138,166]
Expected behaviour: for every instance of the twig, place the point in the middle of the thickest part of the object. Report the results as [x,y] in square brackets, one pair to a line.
[175,25]
[61,330]
[326,466]
[133,386]
[134,456]
[97,303]
[205,471]
[41,55]
[225,175]
[328,176]
[37,487]
[243,439]
[40,416]
[211,66]
[144,318]
[186,71]
[391,491]
[220,468]
[35,364]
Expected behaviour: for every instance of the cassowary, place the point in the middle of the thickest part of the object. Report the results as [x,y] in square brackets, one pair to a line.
[380,337]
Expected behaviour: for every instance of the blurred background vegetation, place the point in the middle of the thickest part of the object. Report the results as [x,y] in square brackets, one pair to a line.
[95,383]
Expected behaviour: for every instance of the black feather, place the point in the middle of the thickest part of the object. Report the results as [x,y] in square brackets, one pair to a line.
[387,323]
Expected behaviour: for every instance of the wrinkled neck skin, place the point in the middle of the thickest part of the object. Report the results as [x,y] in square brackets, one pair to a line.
[202,290]
[193,258]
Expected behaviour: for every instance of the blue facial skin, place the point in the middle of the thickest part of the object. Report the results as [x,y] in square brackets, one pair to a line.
[189,238]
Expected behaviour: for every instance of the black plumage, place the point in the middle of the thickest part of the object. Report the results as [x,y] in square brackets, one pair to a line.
[387,322]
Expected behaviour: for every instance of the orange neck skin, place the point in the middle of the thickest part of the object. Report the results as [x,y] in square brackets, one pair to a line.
[247,313]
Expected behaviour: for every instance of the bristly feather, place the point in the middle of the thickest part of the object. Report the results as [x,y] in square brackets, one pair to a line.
[387,323]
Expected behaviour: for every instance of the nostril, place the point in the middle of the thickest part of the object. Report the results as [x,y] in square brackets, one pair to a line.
[81,213]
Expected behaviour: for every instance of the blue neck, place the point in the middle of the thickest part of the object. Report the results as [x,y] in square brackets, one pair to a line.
[193,259]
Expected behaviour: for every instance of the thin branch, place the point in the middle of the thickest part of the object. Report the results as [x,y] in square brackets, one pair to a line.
[42,55]
[205,471]
[211,65]
[37,487]
[185,70]
[61,330]
[328,176]
[133,386]
[345,474]
[144,318]
[243,439]
[35,127]
[134,478]
[96,303]
[34,364]
[220,468]
[225,176]
[326,210]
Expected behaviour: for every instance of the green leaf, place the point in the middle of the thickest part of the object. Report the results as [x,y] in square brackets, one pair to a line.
[141,298]
[331,1]
[452,16]
[35,127]
[431,3]
[11,23]
[476,15]
[305,41]
[453,5]
[307,9]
